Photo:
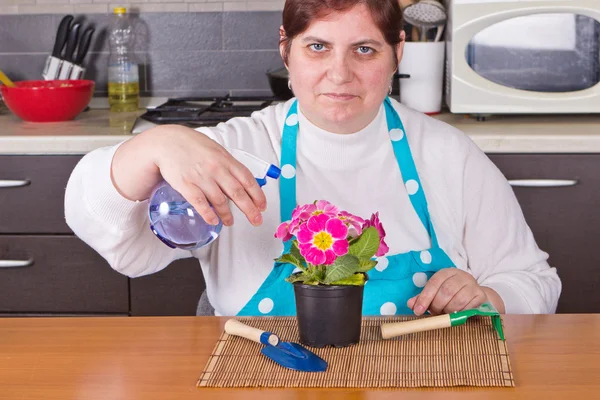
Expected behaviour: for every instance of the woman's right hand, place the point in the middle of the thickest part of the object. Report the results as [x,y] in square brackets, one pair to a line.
[193,164]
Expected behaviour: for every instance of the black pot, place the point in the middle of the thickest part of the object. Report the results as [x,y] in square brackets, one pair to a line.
[278,81]
[329,315]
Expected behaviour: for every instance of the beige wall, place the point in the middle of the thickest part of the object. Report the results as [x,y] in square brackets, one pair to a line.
[104,6]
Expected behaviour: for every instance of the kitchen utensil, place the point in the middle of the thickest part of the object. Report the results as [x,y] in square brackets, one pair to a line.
[424,62]
[82,49]
[6,80]
[67,64]
[426,14]
[48,101]
[54,61]
[287,354]
[390,330]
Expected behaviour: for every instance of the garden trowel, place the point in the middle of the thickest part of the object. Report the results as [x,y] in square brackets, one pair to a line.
[287,354]
[393,329]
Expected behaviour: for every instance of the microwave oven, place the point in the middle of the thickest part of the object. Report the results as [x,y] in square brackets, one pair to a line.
[522,56]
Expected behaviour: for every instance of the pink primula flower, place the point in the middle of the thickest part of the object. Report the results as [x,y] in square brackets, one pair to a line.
[325,207]
[301,214]
[283,232]
[322,239]
[352,221]
[374,221]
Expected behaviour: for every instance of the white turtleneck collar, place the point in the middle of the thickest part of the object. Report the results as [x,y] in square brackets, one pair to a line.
[342,151]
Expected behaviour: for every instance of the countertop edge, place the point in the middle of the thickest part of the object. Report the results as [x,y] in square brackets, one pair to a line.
[81,145]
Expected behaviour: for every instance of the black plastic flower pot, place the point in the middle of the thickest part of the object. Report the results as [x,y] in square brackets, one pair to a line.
[329,315]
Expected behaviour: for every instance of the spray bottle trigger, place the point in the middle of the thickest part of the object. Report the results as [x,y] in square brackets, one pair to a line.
[261,181]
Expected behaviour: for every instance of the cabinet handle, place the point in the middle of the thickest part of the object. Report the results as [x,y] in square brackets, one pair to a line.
[547,183]
[14,184]
[16,263]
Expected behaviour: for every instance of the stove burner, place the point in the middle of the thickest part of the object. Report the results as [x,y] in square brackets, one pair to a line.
[201,111]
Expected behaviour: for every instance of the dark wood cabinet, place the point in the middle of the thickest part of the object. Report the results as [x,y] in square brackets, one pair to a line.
[173,291]
[559,195]
[32,193]
[57,274]
[45,269]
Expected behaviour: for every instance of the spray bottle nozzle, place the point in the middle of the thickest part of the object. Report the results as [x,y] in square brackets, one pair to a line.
[273,172]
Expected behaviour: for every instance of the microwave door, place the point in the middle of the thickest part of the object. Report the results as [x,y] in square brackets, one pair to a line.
[553,53]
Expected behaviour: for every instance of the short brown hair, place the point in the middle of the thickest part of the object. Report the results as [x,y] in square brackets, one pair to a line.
[298,14]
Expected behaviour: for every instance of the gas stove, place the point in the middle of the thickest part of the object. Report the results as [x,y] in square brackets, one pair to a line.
[195,112]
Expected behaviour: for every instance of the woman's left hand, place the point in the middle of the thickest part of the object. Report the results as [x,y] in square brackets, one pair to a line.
[452,289]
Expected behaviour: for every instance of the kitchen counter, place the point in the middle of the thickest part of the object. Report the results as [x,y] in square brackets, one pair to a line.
[552,357]
[499,134]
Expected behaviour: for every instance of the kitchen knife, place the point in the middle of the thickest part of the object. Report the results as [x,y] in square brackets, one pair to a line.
[67,64]
[82,49]
[53,62]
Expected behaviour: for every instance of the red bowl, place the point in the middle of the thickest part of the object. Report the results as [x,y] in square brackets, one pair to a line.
[48,101]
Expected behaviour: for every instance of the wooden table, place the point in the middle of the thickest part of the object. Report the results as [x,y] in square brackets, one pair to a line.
[111,358]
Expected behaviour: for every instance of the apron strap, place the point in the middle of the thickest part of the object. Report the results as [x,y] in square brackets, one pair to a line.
[408,170]
[287,181]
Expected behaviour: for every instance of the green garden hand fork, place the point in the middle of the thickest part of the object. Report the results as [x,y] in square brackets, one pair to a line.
[393,329]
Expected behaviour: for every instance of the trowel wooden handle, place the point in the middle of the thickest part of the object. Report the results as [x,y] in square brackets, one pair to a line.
[236,328]
[394,329]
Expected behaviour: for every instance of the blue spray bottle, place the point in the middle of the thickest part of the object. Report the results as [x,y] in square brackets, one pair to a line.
[174,221]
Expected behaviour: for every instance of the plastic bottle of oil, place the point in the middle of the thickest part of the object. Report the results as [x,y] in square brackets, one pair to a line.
[123,73]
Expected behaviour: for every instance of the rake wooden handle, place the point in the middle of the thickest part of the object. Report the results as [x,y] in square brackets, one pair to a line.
[236,328]
[393,329]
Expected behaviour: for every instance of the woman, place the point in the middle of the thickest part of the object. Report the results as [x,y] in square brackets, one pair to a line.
[456,234]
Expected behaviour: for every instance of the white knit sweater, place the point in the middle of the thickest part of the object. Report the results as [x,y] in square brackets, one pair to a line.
[473,209]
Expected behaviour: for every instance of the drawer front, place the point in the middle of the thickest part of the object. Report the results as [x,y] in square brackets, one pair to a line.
[57,274]
[173,291]
[559,195]
[32,190]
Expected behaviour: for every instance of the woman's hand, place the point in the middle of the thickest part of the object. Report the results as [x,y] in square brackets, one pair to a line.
[194,165]
[452,289]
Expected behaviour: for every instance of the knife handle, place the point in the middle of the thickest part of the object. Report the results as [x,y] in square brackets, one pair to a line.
[72,42]
[84,45]
[61,35]
[236,328]
[393,329]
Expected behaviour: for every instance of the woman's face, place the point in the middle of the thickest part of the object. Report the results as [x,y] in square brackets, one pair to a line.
[340,70]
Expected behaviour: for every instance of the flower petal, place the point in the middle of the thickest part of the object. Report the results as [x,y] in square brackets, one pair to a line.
[383,249]
[304,235]
[336,228]
[340,247]
[304,249]
[316,223]
[315,256]
[329,257]
[283,232]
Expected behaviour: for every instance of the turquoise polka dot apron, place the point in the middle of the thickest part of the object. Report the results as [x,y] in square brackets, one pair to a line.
[396,278]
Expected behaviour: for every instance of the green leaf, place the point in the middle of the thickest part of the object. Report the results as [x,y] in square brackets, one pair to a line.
[295,251]
[366,265]
[356,279]
[290,259]
[311,282]
[301,277]
[367,244]
[342,268]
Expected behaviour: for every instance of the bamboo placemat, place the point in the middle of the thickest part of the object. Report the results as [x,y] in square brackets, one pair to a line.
[466,355]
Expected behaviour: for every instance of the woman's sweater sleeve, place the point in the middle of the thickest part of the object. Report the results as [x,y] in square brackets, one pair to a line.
[502,252]
[117,228]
